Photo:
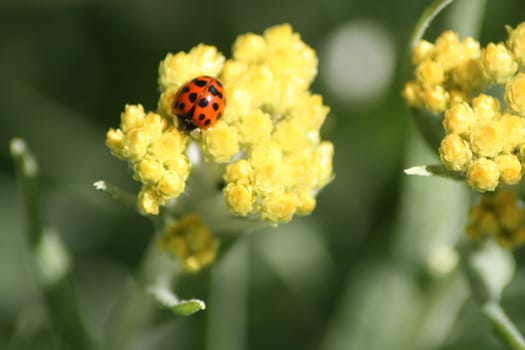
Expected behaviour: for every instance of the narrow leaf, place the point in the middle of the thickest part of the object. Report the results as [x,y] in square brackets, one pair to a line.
[168,299]
[434,170]
[124,197]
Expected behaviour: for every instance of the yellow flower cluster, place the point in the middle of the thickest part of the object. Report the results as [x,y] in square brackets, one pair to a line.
[155,151]
[268,139]
[483,140]
[500,215]
[277,122]
[190,240]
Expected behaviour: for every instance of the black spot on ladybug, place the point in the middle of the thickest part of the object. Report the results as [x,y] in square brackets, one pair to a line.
[213,90]
[199,83]
[193,97]
[219,116]
[185,89]
[203,102]
[201,116]
[191,112]
[207,122]
[181,106]
[215,106]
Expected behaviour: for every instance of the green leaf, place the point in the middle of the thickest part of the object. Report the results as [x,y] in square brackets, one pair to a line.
[188,307]
[429,125]
[434,170]
[424,21]
[489,269]
[124,197]
[168,299]
[52,259]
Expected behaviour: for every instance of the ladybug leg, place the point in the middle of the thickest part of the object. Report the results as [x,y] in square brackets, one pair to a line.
[186,124]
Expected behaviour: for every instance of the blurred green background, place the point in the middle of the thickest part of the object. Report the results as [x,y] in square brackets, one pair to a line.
[372,268]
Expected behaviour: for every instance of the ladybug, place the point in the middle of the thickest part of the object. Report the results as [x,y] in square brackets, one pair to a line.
[199,103]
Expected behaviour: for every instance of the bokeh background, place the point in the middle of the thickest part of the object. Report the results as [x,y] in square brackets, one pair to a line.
[372,268]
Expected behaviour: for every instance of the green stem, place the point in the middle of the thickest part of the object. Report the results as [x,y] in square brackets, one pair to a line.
[429,126]
[136,307]
[51,259]
[424,21]
[421,26]
[503,326]
[228,298]
[26,168]
[120,195]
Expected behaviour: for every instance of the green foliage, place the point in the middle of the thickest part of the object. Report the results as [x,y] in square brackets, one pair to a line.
[374,267]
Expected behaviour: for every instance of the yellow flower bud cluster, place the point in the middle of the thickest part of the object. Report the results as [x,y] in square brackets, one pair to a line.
[450,70]
[269,135]
[268,141]
[154,149]
[284,163]
[500,215]
[483,140]
[190,240]
[445,71]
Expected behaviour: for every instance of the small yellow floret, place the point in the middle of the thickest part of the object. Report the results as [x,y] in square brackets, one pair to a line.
[455,153]
[255,127]
[485,107]
[306,203]
[190,240]
[512,130]
[435,98]
[516,42]
[177,69]
[483,175]
[424,50]
[458,119]
[515,94]
[498,62]
[220,143]
[449,51]
[471,48]
[500,216]
[323,166]
[310,112]
[430,72]
[114,141]
[239,172]
[509,167]
[279,207]
[457,96]
[486,139]
[149,170]
[469,75]
[413,93]
[249,48]
[149,201]
[239,198]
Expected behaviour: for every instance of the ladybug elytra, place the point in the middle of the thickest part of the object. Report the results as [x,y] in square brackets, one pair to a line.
[199,103]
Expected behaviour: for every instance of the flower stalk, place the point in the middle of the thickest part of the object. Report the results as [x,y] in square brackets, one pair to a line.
[50,257]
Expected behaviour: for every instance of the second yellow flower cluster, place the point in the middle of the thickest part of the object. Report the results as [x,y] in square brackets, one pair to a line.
[500,216]
[483,140]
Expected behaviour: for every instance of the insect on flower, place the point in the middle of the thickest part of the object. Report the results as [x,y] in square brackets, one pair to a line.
[199,103]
